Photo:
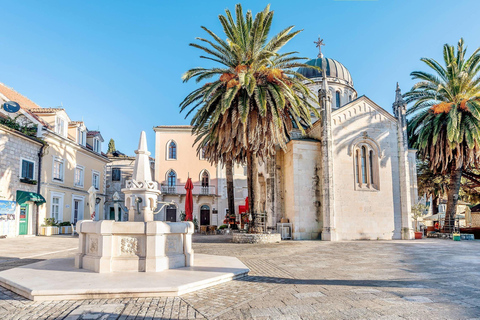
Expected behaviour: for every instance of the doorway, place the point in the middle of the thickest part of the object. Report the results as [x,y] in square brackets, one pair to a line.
[23,222]
[171,215]
[205,215]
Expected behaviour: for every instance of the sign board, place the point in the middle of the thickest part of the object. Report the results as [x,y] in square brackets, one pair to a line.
[11,106]
[7,210]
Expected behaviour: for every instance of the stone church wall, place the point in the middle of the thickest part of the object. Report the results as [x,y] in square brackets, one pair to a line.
[300,188]
[365,214]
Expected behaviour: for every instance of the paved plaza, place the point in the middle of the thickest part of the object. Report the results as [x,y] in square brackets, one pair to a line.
[423,279]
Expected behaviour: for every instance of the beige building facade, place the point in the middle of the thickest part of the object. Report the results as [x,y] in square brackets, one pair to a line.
[176,159]
[71,162]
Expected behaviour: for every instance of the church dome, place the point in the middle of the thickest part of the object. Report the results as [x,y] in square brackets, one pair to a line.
[333,68]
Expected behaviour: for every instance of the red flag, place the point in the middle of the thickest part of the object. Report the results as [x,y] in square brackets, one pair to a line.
[189,200]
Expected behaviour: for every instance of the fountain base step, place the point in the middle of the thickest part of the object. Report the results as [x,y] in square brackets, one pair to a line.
[58,279]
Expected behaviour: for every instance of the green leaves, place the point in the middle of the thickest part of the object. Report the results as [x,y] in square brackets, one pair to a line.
[446,136]
[258,95]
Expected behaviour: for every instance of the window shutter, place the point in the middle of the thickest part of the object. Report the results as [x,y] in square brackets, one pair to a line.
[30,170]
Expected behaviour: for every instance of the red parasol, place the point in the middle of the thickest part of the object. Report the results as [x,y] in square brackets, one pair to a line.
[246,204]
[189,200]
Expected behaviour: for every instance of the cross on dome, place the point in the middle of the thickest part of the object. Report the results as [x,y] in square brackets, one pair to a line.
[319,43]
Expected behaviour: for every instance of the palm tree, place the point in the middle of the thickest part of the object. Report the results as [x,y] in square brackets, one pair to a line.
[445,127]
[256,96]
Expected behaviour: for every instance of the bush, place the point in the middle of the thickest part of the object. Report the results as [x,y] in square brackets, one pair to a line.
[223,226]
[50,222]
[64,224]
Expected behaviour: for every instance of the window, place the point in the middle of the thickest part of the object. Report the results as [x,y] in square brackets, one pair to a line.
[350,98]
[56,206]
[366,167]
[337,99]
[116,174]
[97,145]
[60,126]
[364,164]
[205,179]
[172,151]
[28,168]
[202,154]
[96,180]
[58,169]
[79,174]
[172,178]
[81,136]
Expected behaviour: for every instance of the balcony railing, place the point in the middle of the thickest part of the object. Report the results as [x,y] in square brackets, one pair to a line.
[180,189]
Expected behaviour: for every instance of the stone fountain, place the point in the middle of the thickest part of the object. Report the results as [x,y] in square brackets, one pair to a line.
[139,244]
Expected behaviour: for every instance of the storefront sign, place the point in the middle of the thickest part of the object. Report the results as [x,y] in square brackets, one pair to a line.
[7,210]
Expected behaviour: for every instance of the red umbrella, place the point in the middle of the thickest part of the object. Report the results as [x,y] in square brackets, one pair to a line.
[246,204]
[189,200]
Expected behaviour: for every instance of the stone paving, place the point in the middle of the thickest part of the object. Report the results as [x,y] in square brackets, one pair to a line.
[422,279]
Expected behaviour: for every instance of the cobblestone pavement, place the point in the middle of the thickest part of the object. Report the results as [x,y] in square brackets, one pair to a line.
[423,279]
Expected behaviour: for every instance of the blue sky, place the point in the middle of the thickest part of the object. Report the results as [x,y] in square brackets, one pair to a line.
[118,64]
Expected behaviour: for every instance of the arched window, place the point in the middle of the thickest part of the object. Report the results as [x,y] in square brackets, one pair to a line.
[349,98]
[172,178]
[337,99]
[366,166]
[205,182]
[172,151]
[205,179]
[371,169]
[172,182]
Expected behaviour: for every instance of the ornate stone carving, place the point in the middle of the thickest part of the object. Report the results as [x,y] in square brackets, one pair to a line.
[134,184]
[93,248]
[129,245]
[173,244]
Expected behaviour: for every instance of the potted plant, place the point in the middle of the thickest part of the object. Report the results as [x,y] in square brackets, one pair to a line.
[65,227]
[49,227]
[418,211]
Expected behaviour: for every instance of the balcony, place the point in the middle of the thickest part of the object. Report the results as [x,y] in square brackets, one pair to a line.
[180,189]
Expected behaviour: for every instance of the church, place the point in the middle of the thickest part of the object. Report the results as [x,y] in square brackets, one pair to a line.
[351,176]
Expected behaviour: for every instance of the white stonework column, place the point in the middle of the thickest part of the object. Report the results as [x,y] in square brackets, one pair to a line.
[400,112]
[328,204]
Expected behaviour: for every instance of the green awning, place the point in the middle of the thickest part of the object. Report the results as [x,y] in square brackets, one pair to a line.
[24,196]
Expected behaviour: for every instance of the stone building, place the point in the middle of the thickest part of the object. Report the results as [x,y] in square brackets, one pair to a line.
[19,178]
[176,159]
[352,175]
[72,161]
[118,171]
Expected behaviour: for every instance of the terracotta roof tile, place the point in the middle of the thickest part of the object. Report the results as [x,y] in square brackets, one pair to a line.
[25,103]
[46,110]
[13,95]
[92,133]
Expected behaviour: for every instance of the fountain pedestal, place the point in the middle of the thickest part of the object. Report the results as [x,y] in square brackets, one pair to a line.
[141,244]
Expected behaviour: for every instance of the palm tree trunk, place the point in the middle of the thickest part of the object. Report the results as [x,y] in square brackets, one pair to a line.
[230,187]
[435,204]
[452,197]
[252,181]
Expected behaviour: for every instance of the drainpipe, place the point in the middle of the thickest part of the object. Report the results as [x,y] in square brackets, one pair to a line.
[39,180]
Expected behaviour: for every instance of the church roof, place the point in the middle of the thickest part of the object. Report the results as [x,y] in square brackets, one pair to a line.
[333,68]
